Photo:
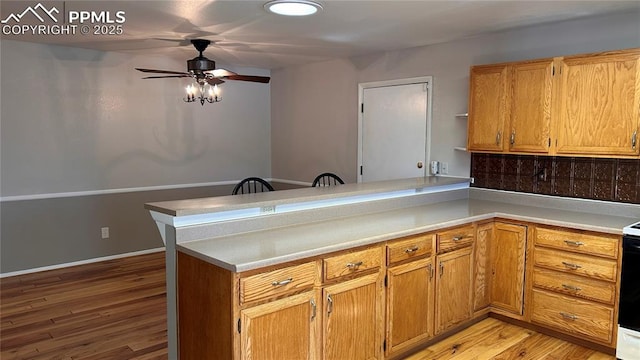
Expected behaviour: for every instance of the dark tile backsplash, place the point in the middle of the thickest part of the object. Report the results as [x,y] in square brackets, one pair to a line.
[588,178]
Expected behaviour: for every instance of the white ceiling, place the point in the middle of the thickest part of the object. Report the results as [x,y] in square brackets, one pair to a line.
[247,35]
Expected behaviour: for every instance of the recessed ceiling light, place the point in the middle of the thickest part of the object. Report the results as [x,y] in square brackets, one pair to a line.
[293,7]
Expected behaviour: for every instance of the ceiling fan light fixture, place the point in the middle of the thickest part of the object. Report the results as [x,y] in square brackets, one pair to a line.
[293,7]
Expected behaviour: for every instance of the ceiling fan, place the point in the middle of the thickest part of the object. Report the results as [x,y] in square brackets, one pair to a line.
[203,70]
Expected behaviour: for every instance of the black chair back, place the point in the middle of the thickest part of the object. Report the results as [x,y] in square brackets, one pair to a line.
[252,185]
[327,179]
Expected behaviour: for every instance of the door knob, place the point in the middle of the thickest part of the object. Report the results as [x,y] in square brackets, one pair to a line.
[419,164]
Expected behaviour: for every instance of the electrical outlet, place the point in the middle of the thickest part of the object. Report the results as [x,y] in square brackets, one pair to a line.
[444,168]
[435,167]
[105,232]
[268,210]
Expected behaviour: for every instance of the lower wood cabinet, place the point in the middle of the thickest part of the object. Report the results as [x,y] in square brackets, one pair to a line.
[386,300]
[453,304]
[353,321]
[500,267]
[575,282]
[267,329]
[507,267]
[580,318]
[410,309]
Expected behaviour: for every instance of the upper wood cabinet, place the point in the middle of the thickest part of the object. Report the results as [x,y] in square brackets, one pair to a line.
[599,104]
[585,105]
[488,109]
[530,101]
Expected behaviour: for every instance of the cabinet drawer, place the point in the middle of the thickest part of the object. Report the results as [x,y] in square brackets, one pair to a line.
[573,285]
[278,282]
[584,265]
[455,238]
[352,263]
[410,248]
[573,316]
[580,242]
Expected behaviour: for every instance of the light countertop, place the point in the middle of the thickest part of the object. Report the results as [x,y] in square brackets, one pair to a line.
[274,198]
[258,249]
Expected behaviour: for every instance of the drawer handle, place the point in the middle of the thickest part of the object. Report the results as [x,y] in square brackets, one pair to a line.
[458,238]
[411,250]
[573,243]
[571,287]
[569,316]
[354,265]
[571,266]
[283,282]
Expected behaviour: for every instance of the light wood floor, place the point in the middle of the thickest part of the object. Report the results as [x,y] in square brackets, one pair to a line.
[109,310]
[116,310]
[494,339]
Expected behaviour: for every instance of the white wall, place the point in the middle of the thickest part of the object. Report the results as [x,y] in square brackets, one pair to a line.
[311,118]
[75,120]
[326,93]
[79,120]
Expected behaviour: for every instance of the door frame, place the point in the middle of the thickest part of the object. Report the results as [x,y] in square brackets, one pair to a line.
[428,80]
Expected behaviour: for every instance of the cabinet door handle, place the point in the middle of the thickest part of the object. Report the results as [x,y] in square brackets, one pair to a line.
[513,137]
[329,304]
[571,266]
[441,268]
[498,137]
[634,139]
[430,267]
[574,243]
[411,249]
[313,308]
[354,265]
[569,316]
[571,287]
[283,282]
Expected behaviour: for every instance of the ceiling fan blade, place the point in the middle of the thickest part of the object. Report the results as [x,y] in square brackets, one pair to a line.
[162,71]
[215,81]
[220,73]
[166,76]
[259,79]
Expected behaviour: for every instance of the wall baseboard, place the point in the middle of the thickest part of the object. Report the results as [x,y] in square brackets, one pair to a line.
[81,262]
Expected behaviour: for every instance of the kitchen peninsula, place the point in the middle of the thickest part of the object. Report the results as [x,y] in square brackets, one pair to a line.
[289,261]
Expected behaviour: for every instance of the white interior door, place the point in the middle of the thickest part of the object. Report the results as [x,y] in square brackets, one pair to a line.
[393,132]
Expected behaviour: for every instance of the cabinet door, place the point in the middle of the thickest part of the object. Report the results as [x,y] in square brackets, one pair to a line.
[487,107]
[282,329]
[353,319]
[410,291]
[482,267]
[454,274]
[530,102]
[600,101]
[508,257]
